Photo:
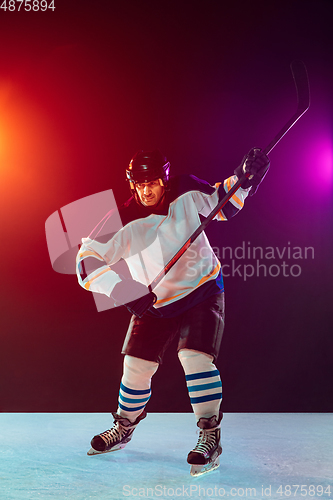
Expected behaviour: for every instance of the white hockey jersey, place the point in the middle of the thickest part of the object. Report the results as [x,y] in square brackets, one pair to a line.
[150,237]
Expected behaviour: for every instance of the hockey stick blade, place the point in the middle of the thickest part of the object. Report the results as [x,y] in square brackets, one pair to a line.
[300,76]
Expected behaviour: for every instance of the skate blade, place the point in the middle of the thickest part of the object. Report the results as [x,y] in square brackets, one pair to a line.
[199,470]
[92,451]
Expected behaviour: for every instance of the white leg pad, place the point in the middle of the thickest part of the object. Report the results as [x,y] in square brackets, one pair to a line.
[135,386]
[203,382]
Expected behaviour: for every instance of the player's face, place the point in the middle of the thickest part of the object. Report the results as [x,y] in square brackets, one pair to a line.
[150,193]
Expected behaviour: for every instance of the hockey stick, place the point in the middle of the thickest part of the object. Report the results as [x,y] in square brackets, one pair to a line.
[300,76]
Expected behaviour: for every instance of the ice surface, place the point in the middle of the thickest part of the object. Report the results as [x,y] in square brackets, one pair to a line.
[43,456]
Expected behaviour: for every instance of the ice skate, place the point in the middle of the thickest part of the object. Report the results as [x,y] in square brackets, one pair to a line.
[115,438]
[205,456]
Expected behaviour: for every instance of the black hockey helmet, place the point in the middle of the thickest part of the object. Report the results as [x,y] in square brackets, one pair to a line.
[146,166]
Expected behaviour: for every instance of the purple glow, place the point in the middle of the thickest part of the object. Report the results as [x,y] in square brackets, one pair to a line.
[325,162]
[319,160]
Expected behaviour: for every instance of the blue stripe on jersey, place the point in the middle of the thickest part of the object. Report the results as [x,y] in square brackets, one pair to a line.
[194,376]
[219,282]
[129,400]
[203,387]
[126,408]
[134,391]
[209,397]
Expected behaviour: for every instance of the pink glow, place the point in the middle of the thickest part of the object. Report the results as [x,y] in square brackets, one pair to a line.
[325,162]
[319,160]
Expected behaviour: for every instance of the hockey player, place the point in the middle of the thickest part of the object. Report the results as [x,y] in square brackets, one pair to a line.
[188,303]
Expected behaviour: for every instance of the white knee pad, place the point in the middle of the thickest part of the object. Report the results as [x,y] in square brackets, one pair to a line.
[194,361]
[203,382]
[138,372]
[135,384]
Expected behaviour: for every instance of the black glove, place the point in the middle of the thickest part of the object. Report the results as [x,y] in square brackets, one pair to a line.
[257,164]
[134,295]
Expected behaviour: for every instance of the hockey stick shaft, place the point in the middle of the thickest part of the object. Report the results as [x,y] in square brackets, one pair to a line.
[196,233]
[300,76]
[303,102]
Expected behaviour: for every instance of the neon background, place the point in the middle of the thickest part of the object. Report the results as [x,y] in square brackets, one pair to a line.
[81,90]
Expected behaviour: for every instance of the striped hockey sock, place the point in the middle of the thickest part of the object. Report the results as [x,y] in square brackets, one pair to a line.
[203,383]
[135,384]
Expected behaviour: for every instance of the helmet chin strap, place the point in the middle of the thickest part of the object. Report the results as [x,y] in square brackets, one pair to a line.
[137,197]
[160,200]
[163,195]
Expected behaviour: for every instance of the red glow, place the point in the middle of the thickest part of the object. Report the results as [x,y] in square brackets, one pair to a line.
[31,152]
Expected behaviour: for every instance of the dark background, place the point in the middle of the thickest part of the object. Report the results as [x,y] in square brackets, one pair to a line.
[81,90]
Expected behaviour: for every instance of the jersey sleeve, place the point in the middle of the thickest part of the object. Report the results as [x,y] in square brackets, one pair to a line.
[207,202]
[236,202]
[93,265]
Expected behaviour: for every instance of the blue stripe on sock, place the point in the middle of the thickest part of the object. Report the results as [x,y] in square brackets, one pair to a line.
[209,397]
[194,376]
[129,400]
[130,409]
[203,387]
[134,391]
